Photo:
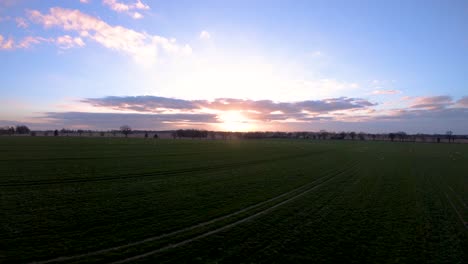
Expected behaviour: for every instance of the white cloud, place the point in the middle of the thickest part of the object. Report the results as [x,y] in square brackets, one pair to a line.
[142,47]
[137,15]
[84,1]
[205,35]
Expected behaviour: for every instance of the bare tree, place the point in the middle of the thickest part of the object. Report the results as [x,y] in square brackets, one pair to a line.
[125,129]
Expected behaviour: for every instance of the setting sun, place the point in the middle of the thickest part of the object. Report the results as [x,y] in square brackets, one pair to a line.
[235,121]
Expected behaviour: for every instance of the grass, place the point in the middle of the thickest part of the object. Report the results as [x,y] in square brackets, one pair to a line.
[270,201]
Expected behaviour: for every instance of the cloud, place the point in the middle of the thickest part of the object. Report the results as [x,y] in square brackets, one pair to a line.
[205,35]
[431,102]
[261,110]
[29,41]
[463,102]
[137,15]
[84,1]
[381,92]
[63,42]
[336,114]
[136,121]
[141,103]
[121,7]
[142,47]
[66,42]
[6,44]
[21,22]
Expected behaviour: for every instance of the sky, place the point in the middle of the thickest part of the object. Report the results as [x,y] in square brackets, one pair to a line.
[373,66]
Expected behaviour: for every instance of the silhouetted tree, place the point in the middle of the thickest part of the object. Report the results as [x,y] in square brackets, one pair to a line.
[7,131]
[362,136]
[401,135]
[155,136]
[323,134]
[391,136]
[449,136]
[146,134]
[80,131]
[342,135]
[56,133]
[22,129]
[125,129]
[352,135]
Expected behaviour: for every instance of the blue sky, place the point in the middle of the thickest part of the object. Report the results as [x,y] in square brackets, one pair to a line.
[377,66]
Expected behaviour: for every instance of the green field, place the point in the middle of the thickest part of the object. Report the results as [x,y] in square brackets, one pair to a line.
[77,200]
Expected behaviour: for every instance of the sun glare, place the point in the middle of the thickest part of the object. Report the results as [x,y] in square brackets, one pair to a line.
[234,121]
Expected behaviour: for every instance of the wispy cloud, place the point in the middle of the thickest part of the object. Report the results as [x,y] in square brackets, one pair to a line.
[385,92]
[29,41]
[463,102]
[6,44]
[121,7]
[21,22]
[142,47]
[431,102]
[66,42]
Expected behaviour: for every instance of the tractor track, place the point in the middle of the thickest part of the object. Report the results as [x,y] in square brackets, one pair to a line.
[157,173]
[262,212]
[296,193]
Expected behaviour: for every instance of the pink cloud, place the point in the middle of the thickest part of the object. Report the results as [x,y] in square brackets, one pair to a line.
[25,43]
[431,102]
[21,22]
[29,41]
[122,7]
[6,44]
[66,42]
[144,48]
[463,102]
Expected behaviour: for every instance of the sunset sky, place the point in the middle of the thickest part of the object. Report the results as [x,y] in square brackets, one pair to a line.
[374,66]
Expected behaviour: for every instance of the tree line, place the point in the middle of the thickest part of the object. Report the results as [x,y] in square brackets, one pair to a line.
[126,130]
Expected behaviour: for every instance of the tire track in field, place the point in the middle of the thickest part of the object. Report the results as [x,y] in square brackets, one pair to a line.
[217,230]
[159,173]
[302,190]
[465,223]
[458,197]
